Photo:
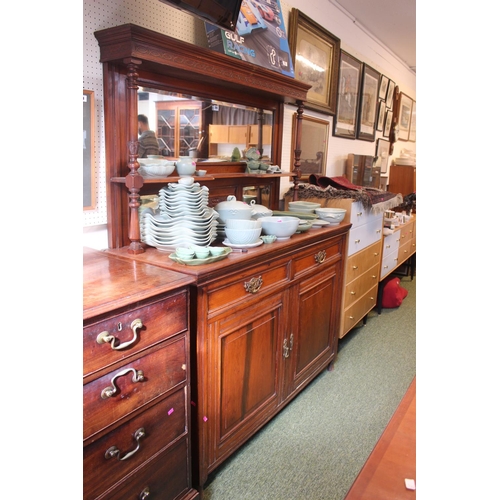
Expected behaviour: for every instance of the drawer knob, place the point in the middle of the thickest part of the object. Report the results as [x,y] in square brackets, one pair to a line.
[105,337]
[357,241]
[109,392]
[353,293]
[114,452]
[320,257]
[254,285]
[354,267]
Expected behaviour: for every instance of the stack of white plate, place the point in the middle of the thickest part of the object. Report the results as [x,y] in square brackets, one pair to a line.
[183,218]
[406,161]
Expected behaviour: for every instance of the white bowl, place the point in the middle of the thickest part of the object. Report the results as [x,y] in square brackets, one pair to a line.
[243,236]
[282,227]
[186,181]
[332,215]
[200,173]
[161,169]
[243,224]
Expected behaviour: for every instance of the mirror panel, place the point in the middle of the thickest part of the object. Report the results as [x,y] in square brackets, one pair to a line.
[205,128]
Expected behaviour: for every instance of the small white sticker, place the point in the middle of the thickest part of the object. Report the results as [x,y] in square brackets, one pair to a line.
[410,484]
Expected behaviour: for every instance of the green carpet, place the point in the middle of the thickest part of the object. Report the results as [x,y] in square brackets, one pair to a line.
[315,448]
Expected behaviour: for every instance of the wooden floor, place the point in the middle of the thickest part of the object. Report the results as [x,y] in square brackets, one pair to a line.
[393,458]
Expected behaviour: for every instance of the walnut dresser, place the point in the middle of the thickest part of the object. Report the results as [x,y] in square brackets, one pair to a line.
[136,381]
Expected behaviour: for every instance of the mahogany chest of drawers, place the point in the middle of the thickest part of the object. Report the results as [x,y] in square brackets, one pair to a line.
[136,381]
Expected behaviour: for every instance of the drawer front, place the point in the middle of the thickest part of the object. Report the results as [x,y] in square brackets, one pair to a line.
[161,425]
[404,252]
[389,262]
[359,215]
[316,258]
[251,283]
[162,368]
[390,243]
[363,260]
[159,320]
[357,288]
[364,236]
[167,477]
[354,314]
[406,233]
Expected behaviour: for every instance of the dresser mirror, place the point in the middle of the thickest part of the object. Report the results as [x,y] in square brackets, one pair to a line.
[204,128]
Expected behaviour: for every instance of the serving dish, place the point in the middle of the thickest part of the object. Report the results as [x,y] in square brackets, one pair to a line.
[199,262]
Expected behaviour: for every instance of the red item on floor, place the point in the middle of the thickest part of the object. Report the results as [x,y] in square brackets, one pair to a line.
[393,294]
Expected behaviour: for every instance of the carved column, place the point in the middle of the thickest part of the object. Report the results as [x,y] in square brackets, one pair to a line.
[133,180]
[298,150]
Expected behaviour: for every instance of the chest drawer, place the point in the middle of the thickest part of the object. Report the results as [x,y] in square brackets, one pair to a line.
[357,288]
[355,313]
[166,477]
[254,282]
[363,260]
[139,439]
[316,257]
[365,235]
[404,251]
[133,331]
[120,392]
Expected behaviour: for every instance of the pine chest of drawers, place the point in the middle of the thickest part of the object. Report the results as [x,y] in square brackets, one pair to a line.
[136,381]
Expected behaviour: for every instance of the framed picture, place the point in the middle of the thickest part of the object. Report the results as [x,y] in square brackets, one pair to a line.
[314,145]
[404,116]
[88,150]
[315,54]
[384,83]
[368,101]
[346,118]
[413,123]
[383,154]
[388,121]
[389,99]
[381,115]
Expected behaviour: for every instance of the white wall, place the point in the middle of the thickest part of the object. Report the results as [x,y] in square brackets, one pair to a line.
[152,14]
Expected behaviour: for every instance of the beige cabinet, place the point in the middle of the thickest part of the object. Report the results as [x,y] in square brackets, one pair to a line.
[398,247]
[239,135]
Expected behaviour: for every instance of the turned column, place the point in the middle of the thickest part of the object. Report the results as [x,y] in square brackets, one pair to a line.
[133,180]
[298,150]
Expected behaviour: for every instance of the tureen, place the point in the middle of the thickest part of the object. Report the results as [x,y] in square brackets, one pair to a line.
[233,209]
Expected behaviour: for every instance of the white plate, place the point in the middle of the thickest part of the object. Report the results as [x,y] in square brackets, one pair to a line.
[319,223]
[249,245]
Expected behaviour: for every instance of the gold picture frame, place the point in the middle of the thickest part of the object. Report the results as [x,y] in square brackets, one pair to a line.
[314,145]
[315,54]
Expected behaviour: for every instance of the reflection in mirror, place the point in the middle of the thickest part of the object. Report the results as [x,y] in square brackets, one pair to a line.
[204,128]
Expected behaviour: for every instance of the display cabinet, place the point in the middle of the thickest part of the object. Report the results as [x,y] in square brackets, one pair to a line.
[403,179]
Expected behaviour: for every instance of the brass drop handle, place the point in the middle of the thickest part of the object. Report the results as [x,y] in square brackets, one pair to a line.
[291,342]
[320,257]
[109,392]
[286,349]
[105,337]
[144,493]
[114,452]
[253,286]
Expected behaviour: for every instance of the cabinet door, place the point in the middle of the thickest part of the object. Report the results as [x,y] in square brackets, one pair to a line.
[238,134]
[313,333]
[242,384]
[218,133]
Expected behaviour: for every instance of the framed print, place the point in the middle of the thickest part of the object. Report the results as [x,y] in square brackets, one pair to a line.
[381,115]
[383,154]
[315,54]
[346,118]
[413,123]
[384,83]
[368,101]
[388,121]
[88,150]
[404,116]
[314,145]
[389,99]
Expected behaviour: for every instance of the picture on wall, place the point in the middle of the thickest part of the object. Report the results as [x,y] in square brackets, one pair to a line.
[315,55]
[382,154]
[388,121]
[384,83]
[390,94]
[88,150]
[348,96]
[381,115]
[368,104]
[314,145]
[413,123]
[404,116]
